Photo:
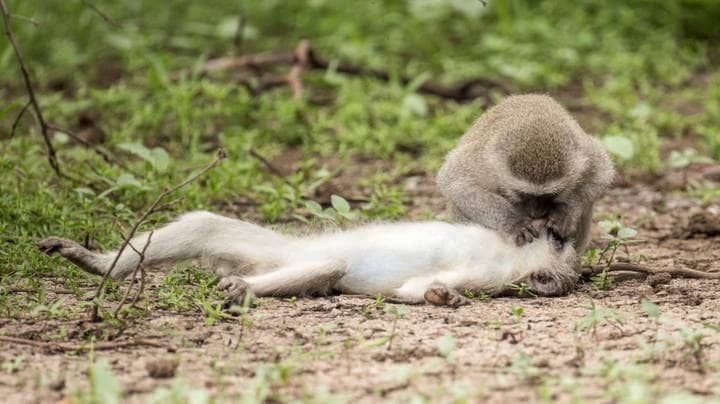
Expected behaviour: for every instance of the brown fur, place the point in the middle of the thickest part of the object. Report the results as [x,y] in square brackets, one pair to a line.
[526,149]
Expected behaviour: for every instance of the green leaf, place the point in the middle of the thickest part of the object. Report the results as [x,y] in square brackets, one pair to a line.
[446,345]
[650,308]
[128,181]
[619,146]
[313,207]
[626,232]
[414,104]
[104,387]
[157,157]
[340,204]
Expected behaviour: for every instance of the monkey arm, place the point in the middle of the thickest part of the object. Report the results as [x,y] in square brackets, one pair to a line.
[470,203]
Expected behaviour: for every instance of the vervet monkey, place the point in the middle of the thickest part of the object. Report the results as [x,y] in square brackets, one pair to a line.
[411,262]
[527,159]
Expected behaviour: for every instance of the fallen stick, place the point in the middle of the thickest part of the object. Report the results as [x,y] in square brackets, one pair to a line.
[626,266]
[304,56]
[98,346]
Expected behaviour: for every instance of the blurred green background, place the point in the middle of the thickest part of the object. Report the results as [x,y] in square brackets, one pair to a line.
[641,75]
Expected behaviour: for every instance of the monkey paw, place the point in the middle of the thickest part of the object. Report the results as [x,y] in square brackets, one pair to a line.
[525,234]
[439,295]
[52,245]
[561,224]
[236,290]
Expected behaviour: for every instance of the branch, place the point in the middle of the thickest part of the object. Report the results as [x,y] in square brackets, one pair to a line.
[98,346]
[44,128]
[304,56]
[102,15]
[150,210]
[626,266]
[134,275]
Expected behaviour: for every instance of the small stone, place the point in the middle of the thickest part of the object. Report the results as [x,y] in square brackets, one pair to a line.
[661,278]
[161,368]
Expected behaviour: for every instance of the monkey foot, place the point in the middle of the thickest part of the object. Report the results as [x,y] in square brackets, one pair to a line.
[439,295]
[236,290]
[52,245]
[72,251]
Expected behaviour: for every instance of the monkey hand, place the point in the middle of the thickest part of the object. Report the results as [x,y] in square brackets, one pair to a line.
[563,222]
[524,232]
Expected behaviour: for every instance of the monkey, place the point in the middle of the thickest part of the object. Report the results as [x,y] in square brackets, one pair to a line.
[423,262]
[525,161]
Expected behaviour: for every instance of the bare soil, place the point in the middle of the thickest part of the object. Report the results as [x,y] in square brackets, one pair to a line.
[335,343]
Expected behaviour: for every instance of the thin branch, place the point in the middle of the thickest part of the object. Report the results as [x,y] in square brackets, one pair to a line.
[44,128]
[19,116]
[626,266]
[134,274]
[100,13]
[26,19]
[98,346]
[220,156]
[270,167]
[294,78]
[100,152]
[460,91]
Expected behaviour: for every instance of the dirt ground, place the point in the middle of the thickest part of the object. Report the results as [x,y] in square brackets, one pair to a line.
[490,351]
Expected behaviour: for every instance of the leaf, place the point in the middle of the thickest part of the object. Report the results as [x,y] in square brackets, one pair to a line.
[104,386]
[377,342]
[650,308]
[313,207]
[128,181]
[619,146]
[446,345]
[157,157]
[414,104]
[626,232]
[340,204]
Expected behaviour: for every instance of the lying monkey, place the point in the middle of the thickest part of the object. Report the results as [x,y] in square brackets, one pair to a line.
[430,262]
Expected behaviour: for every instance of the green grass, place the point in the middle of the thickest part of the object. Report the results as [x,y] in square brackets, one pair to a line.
[636,76]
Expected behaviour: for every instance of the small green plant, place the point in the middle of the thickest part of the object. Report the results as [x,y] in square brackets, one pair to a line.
[596,317]
[339,210]
[446,346]
[13,365]
[104,388]
[521,289]
[517,312]
[617,236]
[397,312]
[481,296]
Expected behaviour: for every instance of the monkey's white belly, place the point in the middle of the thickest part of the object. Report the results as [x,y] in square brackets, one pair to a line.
[386,258]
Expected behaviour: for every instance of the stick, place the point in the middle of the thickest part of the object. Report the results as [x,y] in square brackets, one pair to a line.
[294,78]
[150,210]
[44,128]
[134,274]
[460,91]
[98,346]
[626,266]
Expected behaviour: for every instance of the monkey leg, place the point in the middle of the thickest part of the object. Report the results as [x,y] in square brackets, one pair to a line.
[77,254]
[290,280]
[230,245]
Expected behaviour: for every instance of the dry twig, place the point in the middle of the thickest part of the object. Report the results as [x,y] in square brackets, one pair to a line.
[304,56]
[98,346]
[134,275]
[44,127]
[629,267]
[150,210]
